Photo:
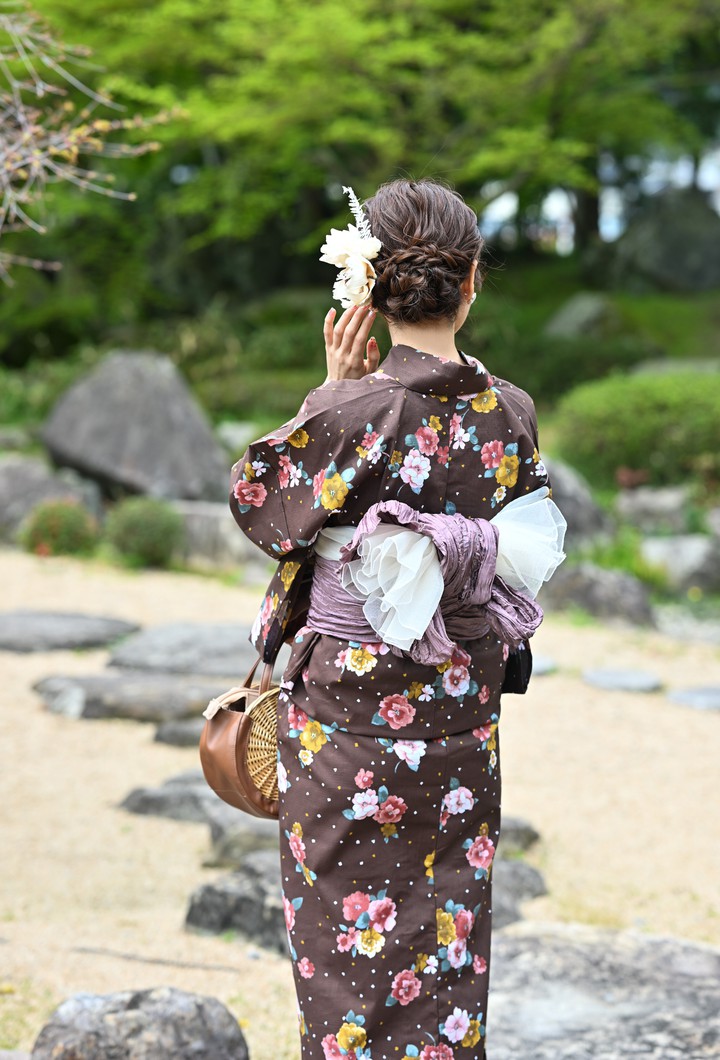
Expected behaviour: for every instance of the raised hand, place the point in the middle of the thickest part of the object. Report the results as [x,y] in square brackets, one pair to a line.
[350,353]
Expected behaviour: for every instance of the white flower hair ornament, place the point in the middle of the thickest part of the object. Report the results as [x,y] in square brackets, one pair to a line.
[352,251]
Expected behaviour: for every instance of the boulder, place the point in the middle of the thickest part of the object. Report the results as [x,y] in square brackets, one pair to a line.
[213,538]
[516,836]
[585,313]
[687,560]
[622,680]
[585,519]
[661,510]
[133,426]
[183,732]
[26,481]
[712,519]
[235,436]
[680,622]
[604,593]
[571,992]
[136,696]
[30,631]
[191,648]
[671,244]
[14,438]
[234,838]
[184,797]
[159,1024]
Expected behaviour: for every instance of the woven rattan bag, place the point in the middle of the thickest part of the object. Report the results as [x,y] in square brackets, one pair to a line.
[238,745]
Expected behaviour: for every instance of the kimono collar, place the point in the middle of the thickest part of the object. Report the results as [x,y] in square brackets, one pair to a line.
[428,374]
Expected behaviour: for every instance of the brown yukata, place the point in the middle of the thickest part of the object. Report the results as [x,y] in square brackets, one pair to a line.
[389,770]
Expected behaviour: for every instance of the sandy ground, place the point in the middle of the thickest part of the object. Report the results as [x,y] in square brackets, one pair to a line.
[623,789]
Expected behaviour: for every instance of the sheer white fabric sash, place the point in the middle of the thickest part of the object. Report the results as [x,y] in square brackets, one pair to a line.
[397,572]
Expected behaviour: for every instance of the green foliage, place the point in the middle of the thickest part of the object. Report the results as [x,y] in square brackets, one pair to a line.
[146,532]
[623,552]
[27,395]
[59,528]
[666,427]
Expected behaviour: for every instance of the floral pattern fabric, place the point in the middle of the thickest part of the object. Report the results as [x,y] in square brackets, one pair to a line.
[388,770]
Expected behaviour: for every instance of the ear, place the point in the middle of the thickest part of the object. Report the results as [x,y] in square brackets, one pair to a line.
[468,284]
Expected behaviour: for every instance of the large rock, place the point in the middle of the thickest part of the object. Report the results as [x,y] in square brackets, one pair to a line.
[585,519]
[183,732]
[604,593]
[184,797]
[136,696]
[26,481]
[655,510]
[160,1024]
[570,992]
[29,631]
[585,313]
[133,426]
[213,538]
[672,244]
[190,648]
[686,560]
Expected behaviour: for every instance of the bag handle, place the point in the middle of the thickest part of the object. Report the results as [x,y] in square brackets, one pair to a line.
[265,677]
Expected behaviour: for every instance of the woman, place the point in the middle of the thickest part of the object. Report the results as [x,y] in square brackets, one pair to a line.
[388,745]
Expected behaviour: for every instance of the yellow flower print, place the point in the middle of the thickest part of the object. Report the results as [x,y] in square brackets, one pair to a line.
[299,438]
[388,830]
[248,472]
[288,572]
[307,874]
[485,401]
[492,739]
[444,666]
[420,963]
[428,863]
[362,453]
[436,423]
[361,661]
[303,1024]
[446,932]
[369,942]
[396,457]
[334,492]
[507,473]
[472,1034]
[312,737]
[536,456]
[415,690]
[351,1037]
[306,757]
[297,829]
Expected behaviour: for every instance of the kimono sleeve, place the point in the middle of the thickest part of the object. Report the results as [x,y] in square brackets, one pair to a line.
[291,482]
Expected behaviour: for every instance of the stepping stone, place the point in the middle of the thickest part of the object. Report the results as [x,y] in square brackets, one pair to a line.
[189,647]
[185,797]
[570,992]
[136,696]
[29,631]
[622,680]
[185,732]
[699,698]
[543,665]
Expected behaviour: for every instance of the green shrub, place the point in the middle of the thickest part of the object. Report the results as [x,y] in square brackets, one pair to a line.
[146,532]
[623,552]
[666,428]
[59,528]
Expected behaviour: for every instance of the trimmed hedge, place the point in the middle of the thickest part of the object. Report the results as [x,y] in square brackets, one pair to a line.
[59,528]
[667,427]
[145,531]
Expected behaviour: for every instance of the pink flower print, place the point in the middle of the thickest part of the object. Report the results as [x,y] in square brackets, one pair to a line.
[346,940]
[427,440]
[318,481]
[492,453]
[369,439]
[443,454]
[455,425]
[297,719]
[506,652]
[457,1025]
[382,913]
[410,751]
[267,609]
[286,545]
[297,847]
[289,911]
[391,811]
[364,778]
[331,1049]
[364,804]
[355,905]
[415,469]
[253,493]
[461,439]
[444,817]
[456,953]
[456,680]
[405,987]
[285,464]
[396,710]
[342,657]
[479,964]
[484,694]
[306,968]
[463,923]
[480,852]
[460,800]
[460,657]
[437,1052]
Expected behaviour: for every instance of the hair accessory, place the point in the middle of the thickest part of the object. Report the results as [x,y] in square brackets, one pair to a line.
[352,251]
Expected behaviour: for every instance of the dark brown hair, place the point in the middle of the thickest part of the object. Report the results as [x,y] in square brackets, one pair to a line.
[429,239]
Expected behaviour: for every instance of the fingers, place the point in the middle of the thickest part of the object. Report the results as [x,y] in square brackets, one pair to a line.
[328,328]
[343,322]
[372,356]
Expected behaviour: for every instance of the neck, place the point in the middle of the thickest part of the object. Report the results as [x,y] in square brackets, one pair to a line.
[436,339]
